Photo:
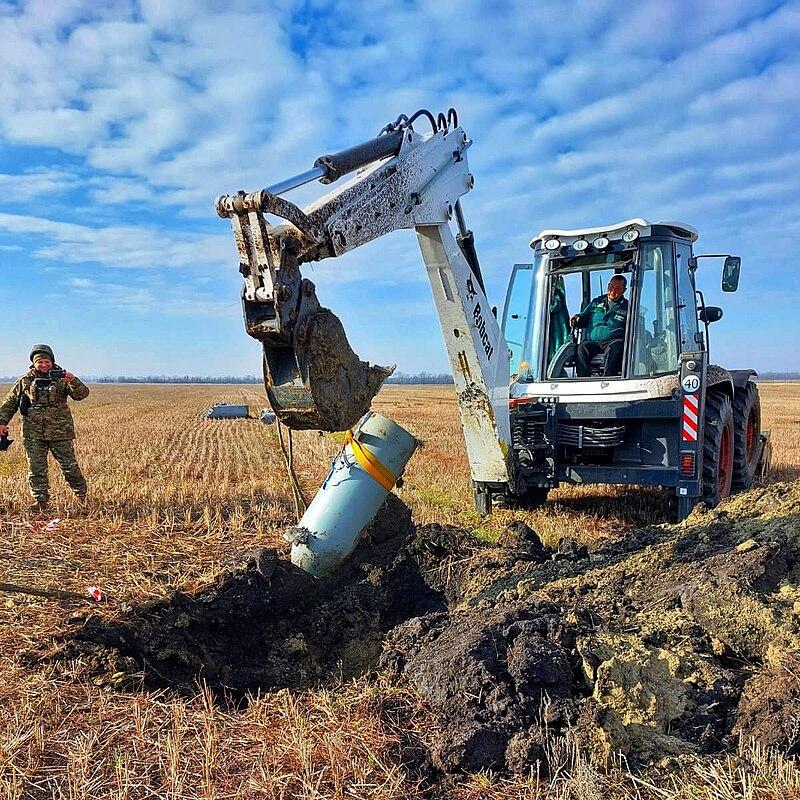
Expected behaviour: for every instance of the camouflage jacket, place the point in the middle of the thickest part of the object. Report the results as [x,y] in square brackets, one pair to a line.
[48,416]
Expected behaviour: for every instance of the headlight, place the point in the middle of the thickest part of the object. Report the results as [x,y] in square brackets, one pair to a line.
[630,235]
[580,245]
[600,243]
[552,244]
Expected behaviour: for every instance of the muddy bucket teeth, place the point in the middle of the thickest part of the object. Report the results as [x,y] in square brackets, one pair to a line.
[319,383]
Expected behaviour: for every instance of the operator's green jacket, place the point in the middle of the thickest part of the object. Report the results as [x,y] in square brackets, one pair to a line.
[49,418]
[603,319]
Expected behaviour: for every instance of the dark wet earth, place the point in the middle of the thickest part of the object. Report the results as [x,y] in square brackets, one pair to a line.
[674,640]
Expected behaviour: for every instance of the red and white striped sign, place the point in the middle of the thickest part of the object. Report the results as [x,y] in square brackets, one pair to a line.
[690,422]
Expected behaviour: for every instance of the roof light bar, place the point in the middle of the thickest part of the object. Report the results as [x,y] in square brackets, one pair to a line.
[600,243]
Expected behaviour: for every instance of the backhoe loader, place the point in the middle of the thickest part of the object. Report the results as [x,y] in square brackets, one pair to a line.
[536,409]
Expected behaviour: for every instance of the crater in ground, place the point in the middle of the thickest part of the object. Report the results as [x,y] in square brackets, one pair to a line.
[267,625]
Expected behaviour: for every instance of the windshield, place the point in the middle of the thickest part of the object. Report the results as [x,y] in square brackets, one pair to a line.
[587,318]
[568,318]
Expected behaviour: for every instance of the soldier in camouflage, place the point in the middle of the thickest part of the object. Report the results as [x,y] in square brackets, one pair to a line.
[47,426]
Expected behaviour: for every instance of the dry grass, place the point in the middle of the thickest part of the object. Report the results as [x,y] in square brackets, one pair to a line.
[173,498]
[751,773]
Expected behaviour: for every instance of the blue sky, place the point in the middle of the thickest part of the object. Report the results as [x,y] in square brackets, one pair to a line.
[120,122]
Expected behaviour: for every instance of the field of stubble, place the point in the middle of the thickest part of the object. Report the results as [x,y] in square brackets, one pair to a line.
[173,498]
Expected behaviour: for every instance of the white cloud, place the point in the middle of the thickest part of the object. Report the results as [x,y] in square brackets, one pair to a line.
[35,183]
[108,190]
[119,245]
[161,300]
[609,111]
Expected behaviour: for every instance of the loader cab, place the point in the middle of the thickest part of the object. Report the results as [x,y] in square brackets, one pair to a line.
[663,415]
[570,269]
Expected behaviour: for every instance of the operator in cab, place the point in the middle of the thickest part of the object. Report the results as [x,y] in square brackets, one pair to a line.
[604,319]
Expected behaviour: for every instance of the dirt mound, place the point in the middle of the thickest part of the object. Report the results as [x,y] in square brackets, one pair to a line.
[500,678]
[266,625]
[674,640]
[769,710]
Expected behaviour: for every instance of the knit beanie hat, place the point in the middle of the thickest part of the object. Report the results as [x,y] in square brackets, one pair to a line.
[42,351]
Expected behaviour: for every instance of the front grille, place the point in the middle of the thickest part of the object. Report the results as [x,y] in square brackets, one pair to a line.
[581,436]
[527,433]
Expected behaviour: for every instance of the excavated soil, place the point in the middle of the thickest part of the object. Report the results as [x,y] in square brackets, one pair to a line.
[674,640]
[266,624]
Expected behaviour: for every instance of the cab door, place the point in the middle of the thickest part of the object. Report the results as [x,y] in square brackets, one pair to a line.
[687,307]
[517,314]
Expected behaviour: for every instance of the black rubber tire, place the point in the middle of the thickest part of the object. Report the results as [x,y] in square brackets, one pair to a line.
[718,420]
[533,497]
[746,410]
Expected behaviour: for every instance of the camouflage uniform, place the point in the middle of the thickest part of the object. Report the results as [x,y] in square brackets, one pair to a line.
[46,427]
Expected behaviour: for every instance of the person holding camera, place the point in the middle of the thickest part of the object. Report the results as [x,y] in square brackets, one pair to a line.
[41,396]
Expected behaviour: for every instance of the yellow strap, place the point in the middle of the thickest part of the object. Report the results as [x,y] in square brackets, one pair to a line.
[371,465]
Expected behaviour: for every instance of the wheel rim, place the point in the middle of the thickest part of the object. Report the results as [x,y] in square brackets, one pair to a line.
[725,463]
[751,435]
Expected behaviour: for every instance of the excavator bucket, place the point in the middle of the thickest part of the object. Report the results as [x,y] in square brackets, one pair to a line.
[404,179]
[318,382]
[314,380]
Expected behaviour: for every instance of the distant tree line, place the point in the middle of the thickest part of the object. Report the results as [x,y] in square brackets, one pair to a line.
[420,377]
[173,379]
[779,376]
[398,377]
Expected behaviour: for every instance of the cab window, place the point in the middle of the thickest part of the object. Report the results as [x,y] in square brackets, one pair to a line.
[570,293]
[656,328]
[687,305]
[517,316]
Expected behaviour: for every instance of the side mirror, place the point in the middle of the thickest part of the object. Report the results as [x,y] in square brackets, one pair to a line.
[710,314]
[730,273]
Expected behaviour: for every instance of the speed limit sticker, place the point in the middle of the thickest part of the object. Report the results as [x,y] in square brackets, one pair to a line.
[691,383]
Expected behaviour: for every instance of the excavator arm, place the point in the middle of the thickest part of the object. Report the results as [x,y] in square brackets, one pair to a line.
[405,179]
